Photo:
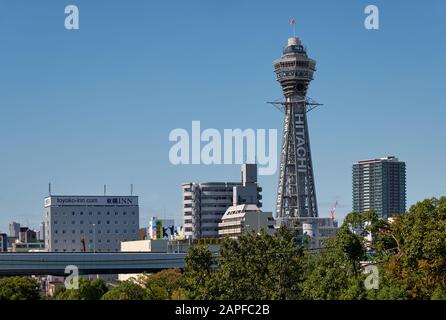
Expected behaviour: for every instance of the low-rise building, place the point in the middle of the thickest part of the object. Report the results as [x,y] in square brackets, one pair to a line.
[3,242]
[144,246]
[314,231]
[28,247]
[90,223]
[11,241]
[26,235]
[161,229]
[244,218]
[141,246]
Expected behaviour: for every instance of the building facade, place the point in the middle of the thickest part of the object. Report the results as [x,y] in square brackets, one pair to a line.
[26,235]
[204,204]
[379,184]
[159,246]
[3,242]
[28,247]
[41,232]
[161,229]
[14,229]
[312,232]
[245,218]
[90,223]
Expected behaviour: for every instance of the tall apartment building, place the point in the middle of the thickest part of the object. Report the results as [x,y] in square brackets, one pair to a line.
[90,223]
[380,184]
[204,204]
[14,229]
[41,232]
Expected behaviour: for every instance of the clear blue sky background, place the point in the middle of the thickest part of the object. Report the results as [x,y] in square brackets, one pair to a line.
[94,106]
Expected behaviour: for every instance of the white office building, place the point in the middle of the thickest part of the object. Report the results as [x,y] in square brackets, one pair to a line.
[245,218]
[90,223]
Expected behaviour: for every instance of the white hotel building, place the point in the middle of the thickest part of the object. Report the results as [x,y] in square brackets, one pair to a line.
[96,223]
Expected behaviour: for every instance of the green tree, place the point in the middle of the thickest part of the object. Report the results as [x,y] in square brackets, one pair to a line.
[19,288]
[439,294]
[252,267]
[88,290]
[197,278]
[335,273]
[161,285]
[125,290]
[332,278]
[419,265]
[389,288]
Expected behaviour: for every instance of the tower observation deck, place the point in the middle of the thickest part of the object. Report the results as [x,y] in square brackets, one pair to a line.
[296,196]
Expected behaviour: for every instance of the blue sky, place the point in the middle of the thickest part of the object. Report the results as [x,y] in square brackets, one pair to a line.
[95,106]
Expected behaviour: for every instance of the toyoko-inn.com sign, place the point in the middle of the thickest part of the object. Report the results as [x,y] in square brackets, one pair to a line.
[90,201]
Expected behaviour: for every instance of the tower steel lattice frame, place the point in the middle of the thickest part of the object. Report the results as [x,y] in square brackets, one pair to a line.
[296,195]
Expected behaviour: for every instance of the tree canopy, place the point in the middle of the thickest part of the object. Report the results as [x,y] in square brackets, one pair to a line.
[409,253]
[19,288]
[88,290]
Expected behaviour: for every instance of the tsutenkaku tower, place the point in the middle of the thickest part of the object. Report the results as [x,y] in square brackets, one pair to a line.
[296,196]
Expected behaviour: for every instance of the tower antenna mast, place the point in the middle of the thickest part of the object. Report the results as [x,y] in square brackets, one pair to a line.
[293,23]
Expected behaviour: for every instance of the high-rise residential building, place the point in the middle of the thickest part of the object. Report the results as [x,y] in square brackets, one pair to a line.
[14,229]
[90,223]
[204,204]
[41,232]
[380,184]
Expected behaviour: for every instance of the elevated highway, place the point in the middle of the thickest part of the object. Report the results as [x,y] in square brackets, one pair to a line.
[53,263]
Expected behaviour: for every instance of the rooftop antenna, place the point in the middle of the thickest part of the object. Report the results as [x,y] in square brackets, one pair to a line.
[131,189]
[105,189]
[293,23]
[49,189]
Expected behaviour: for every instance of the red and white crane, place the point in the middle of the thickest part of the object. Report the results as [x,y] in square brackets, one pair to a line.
[332,212]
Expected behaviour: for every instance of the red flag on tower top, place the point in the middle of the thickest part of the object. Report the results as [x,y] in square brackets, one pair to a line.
[292,21]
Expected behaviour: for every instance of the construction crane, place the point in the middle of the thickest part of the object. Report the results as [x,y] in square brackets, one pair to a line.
[332,212]
[83,244]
